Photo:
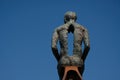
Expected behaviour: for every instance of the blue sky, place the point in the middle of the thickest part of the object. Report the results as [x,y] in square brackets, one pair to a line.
[26,28]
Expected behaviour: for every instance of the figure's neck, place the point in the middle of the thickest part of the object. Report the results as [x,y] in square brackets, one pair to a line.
[71,28]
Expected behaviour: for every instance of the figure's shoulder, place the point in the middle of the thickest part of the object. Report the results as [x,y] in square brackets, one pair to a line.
[61,27]
[79,26]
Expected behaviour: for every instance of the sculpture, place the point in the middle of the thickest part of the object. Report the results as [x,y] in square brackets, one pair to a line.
[80,35]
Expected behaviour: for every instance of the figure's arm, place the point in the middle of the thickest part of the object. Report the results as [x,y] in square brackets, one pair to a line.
[54,45]
[86,43]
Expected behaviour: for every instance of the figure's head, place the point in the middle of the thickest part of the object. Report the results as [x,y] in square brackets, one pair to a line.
[70,16]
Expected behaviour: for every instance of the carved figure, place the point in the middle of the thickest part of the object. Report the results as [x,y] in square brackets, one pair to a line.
[80,36]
